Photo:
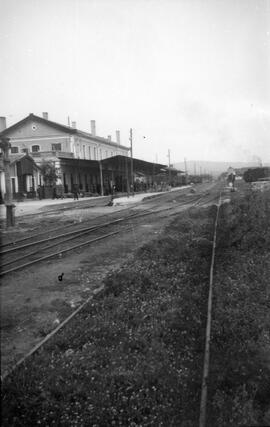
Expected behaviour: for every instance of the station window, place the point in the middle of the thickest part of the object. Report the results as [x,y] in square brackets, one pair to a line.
[14,150]
[35,148]
[56,147]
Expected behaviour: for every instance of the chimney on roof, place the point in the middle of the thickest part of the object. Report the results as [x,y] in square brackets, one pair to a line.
[3,123]
[45,116]
[117,132]
[73,124]
[109,138]
[93,127]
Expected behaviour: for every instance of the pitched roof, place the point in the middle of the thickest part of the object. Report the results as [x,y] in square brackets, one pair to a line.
[15,158]
[63,128]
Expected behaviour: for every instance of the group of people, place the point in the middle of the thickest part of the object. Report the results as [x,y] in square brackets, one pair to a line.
[56,194]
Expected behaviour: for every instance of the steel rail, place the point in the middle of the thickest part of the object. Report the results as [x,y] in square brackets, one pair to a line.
[92,228]
[57,253]
[3,273]
[79,232]
[204,389]
[50,335]
[3,264]
[51,230]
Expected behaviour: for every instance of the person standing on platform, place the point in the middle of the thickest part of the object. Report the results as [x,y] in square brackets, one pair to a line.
[39,191]
[75,193]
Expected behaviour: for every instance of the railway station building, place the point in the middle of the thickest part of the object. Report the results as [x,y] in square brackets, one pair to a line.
[45,139]
[82,161]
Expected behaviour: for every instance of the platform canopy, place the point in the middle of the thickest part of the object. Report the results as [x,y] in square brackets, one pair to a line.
[139,166]
[78,163]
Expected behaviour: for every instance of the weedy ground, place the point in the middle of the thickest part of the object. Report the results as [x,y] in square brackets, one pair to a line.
[134,355]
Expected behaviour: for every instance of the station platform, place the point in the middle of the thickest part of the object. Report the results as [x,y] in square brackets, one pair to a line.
[45,205]
[33,206]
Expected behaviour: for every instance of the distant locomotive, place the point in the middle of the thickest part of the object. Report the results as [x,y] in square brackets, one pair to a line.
[231,175]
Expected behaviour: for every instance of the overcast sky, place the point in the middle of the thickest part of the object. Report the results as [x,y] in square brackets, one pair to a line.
[192,76]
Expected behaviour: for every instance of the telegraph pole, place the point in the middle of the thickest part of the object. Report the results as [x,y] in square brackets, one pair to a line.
[131,161]
[169,156]
[185,160]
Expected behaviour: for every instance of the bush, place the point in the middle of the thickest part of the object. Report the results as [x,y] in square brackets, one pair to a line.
[255,174]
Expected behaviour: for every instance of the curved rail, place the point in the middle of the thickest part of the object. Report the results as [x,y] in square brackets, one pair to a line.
[204,389]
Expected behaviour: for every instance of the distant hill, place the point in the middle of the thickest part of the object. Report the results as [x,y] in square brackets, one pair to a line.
[215,168]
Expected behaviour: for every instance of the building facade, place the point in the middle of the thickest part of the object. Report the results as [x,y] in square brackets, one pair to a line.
[76,155]
[81,161]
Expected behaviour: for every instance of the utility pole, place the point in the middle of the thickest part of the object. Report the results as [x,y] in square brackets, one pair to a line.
[131,161]
[10,217]
[185,160]
[169,156]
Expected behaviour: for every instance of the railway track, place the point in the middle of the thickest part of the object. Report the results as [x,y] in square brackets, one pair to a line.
[182,197]
[101,231]
[7,241]
[22,255]
[49,231]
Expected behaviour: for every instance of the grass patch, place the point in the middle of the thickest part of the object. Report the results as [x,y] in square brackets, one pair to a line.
[240,351]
